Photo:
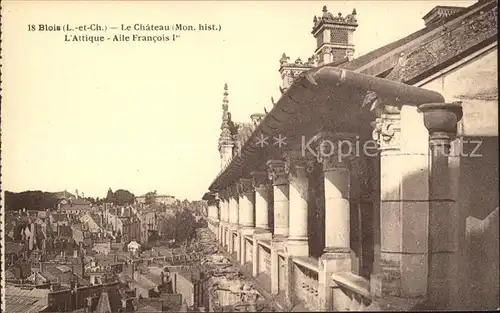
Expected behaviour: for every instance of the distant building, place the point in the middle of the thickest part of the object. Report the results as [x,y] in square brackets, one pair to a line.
[159,199]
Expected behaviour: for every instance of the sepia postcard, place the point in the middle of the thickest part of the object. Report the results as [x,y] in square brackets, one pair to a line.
[249,156]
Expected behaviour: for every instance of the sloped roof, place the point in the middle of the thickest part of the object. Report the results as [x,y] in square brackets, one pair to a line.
[103,305]
[25,301]
[409,59]
[465,34]
[64,194]
[14,247]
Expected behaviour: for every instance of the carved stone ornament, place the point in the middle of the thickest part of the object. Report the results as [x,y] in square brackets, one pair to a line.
[245,186]
[386,130]
[276,172]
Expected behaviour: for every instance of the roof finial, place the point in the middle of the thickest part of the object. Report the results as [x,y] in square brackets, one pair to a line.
[225,109]
[225,101]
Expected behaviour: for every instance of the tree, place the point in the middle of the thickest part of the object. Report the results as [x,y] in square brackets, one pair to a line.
[31,200]
[123,197]
[150,197]
[185,226]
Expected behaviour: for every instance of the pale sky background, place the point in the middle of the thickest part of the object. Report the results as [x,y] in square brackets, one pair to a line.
[144,116]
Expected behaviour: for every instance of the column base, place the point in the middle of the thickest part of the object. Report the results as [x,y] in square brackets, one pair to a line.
[297,247]
[329,263]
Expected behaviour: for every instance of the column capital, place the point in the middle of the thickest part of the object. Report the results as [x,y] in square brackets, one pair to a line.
[223,194]
[245,186]
[233,191]
[213,202]
[260,180]
[296,161]
[441,121]
[277,172]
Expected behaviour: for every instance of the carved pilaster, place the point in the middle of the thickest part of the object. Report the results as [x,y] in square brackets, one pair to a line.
[277,172]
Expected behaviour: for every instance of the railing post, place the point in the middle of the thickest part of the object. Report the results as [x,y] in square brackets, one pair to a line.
[261,183]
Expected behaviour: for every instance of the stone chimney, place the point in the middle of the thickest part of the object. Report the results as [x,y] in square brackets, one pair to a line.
[290,70]
[439,13]
[257,118]
[334,36]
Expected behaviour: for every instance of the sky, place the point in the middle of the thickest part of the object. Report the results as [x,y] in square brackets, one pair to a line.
[146,116]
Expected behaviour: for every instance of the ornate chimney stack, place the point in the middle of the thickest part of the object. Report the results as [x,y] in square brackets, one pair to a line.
[290,70]
[226,143]
[334,36]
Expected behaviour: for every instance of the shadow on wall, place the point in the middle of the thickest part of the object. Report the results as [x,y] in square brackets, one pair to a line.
[478,195]
[477,203]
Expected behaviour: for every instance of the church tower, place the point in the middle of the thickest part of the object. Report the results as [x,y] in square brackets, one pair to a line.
[334,36]
[226,143]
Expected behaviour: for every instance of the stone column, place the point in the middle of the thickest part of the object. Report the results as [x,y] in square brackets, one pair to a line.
[336,256]
[225,217]
[261,185]
[403,208]
[233,217]
[441,121]
[296,166]
[212,214]
[279,178]
[246,206]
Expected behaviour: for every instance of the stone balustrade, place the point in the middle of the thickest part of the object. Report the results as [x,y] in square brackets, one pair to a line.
[356,291]
[305,284]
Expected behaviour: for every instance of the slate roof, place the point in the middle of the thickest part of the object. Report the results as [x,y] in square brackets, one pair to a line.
[14,247]
[435,39]
[25,301]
